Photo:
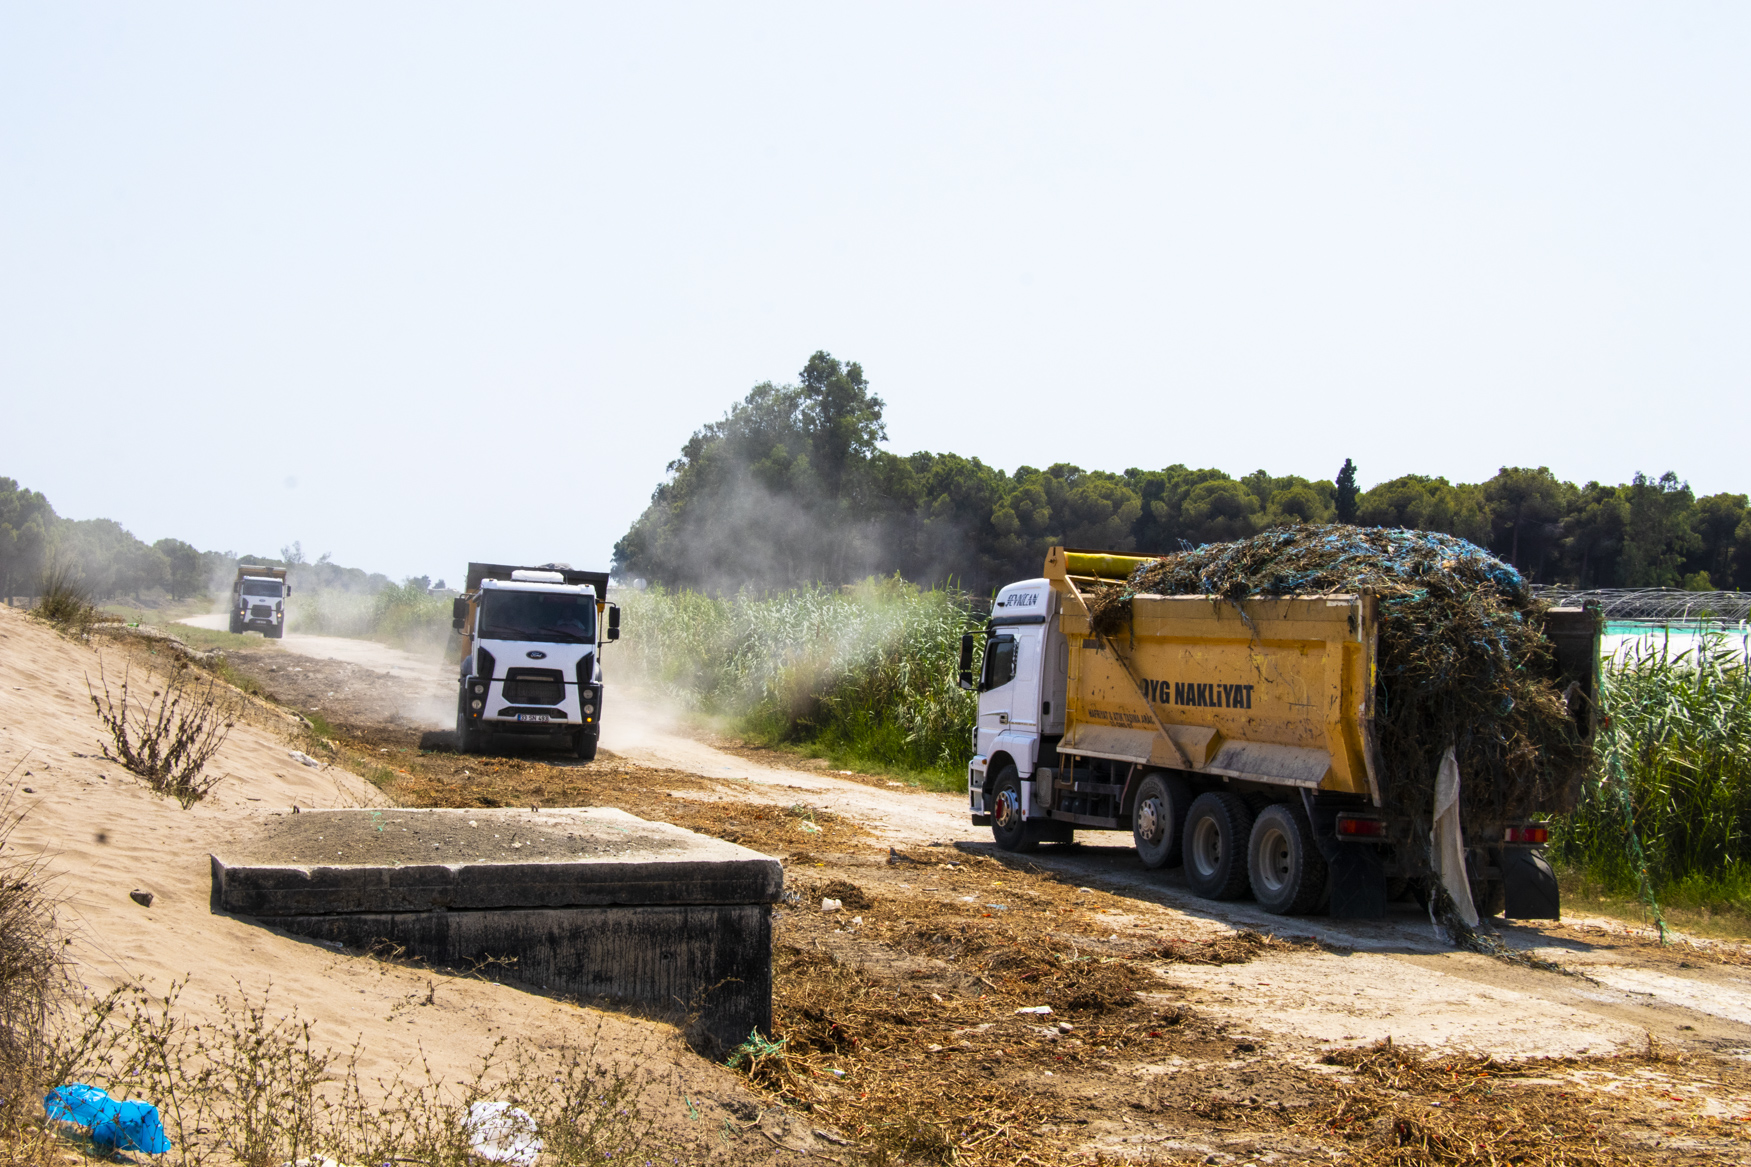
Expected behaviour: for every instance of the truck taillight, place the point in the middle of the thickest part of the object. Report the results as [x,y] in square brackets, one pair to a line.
[1528,834]
[1361,827]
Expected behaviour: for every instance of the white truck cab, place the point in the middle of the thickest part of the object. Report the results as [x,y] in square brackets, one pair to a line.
[1021,686]
[531,654]
[258,600]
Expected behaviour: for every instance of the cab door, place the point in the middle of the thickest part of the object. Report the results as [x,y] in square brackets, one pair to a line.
[996,688]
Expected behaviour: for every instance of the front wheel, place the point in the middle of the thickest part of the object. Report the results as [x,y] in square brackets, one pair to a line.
[1008,828]
[585,745]
[236,625]
[1214,843]
[277,632]
[1157,819]
[468,739]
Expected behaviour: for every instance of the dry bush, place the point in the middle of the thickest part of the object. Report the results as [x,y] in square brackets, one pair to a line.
[169,737]
[32,985]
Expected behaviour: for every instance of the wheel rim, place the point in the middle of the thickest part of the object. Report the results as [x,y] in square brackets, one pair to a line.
[1206,847]
[1149,820]
[1274,857]
[1008,812]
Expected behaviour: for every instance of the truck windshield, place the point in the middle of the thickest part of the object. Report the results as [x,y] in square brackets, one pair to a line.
[261,587]
[557,619]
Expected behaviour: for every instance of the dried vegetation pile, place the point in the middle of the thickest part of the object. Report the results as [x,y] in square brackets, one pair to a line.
[1463,655]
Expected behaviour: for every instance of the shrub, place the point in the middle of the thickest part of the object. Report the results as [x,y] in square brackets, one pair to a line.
[169,737]
[64,601]
[868,671]
[32,985]
[1675,774]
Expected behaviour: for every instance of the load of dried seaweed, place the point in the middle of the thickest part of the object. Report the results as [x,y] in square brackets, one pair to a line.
[1463,657]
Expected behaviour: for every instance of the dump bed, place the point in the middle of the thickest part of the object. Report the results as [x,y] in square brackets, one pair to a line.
[1277,690]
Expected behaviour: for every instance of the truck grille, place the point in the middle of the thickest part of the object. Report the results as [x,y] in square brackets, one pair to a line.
[534,686]
[261,612]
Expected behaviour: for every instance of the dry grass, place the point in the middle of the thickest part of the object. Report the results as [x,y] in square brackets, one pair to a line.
[252,1088]
[33,984]
[65,602]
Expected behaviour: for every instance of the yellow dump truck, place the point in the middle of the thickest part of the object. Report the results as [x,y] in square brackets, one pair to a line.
[1236,739]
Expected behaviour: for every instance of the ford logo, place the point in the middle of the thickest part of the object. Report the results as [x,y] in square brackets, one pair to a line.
[535,654]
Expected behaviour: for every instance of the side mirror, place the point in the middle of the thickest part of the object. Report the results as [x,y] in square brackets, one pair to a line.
[613,621]
[966,677]
[458,613]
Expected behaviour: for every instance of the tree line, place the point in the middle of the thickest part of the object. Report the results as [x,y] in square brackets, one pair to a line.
[106,561]
[790,487]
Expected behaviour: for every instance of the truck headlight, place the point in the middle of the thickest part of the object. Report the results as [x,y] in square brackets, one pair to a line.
[591,708]
[476,703]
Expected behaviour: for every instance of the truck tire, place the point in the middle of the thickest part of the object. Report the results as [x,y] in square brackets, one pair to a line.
[1214,845]
[1008,828]
[277,632]
[468,740]
[585,745]
[1287,871]
[1489,897]
[236,625]
[1158,819]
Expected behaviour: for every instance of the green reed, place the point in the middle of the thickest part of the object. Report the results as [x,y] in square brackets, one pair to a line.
[866,673]
[1675,770]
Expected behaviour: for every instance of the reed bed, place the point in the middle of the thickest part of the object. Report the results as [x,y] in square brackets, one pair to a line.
[400,614]
[865,673]
[1668,811]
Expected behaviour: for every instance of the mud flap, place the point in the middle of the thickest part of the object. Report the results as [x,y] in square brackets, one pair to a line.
[1529,886]
[1358,883]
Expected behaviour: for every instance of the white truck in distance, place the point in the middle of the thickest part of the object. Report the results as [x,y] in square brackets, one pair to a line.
[531,654]
[258,600]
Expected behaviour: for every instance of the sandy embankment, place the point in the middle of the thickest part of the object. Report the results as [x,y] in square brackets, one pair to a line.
[100,835]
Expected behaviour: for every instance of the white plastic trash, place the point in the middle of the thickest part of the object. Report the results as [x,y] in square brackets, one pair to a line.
[831,905]
[1042,1010]
[503,1133]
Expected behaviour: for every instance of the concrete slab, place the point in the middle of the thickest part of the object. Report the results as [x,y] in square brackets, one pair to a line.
[333,861]
[593,902]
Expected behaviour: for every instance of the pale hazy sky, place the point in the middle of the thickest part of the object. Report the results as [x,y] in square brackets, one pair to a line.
[422,283]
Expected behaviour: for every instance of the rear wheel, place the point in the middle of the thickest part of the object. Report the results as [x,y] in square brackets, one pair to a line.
[1287,871]
[1158,818]
[1214,844]
[1489,897]
[1008,828]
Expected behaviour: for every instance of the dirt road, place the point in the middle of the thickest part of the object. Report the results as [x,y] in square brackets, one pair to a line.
[1402,980]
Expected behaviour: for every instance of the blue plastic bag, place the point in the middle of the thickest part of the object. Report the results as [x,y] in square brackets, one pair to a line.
[124,1126]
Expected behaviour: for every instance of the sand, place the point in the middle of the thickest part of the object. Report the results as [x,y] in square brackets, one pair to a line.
[101,835]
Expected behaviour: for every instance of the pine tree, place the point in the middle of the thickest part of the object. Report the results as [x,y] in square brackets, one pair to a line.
[1347,492]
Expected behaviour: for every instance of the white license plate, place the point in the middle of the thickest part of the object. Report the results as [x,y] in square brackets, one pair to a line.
[533,717]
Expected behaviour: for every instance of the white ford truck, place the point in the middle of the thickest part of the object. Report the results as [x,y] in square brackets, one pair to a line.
[531,654]
[258,600]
